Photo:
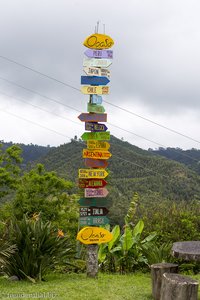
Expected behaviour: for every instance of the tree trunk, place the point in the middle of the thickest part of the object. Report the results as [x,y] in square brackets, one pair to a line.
[178,287]
[157,271]
[92,260]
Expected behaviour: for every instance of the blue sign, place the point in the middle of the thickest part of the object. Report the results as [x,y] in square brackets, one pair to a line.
[96,99]
[94,80]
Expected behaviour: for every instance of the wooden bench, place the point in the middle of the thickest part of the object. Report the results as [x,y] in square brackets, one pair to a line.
[178,287]
[157,271]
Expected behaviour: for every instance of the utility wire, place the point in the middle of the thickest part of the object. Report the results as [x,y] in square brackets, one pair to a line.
[56,132]
[61,103]
[114,105]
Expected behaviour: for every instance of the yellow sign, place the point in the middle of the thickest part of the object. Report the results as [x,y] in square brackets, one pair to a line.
[95,89]
[92,173]
[94,235]
[98,41]
[92,144]
[96,154]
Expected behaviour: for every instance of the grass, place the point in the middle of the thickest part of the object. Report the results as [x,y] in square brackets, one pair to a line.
[77,287]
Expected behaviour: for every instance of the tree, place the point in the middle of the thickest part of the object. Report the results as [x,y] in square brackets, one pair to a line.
[9,169]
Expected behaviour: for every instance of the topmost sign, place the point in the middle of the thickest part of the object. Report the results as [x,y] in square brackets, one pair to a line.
[98,41]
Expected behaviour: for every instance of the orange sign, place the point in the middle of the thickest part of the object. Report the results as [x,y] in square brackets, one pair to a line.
[94,235]
[96,154]
[98,41]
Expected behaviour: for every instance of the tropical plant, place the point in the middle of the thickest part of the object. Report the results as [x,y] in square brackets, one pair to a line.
[39,248]
[6,251]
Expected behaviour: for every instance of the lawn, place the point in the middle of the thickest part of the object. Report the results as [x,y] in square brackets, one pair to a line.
[77,287]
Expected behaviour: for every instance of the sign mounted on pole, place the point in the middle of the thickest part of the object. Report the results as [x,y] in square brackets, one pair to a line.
[96,127]
[94,108]
[95,193]
[94,235]
[96,163]
[93,144]
[99,53]
[87,202]
[95,62]
[94,80]
[98,41]
[96,99]
[87,117]
[96,154]
[92,71]
[102,220]
[92,89]
[93,211]
[92,173]
[99,136]
[91,183]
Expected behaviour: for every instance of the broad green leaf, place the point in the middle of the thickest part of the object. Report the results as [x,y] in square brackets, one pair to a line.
[127,239]
[149,238]
[116,234]
[138,228]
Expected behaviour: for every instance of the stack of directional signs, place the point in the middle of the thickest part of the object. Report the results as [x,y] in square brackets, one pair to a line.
[92,179]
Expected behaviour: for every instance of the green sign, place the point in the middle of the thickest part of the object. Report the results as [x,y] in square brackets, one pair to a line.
[101,220]
[93,202]
[98,136]
[94,108]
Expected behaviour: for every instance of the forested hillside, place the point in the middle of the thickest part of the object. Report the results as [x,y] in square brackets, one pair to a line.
[131,170]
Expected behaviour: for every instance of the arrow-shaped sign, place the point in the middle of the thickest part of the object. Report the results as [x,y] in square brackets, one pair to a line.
[94,80]
[95,62]
[105,135]
[99,53]
[93,144]
[93,202]
[95,89]
[97,193]
[93,211]
[87,117]
[91,183]
[92,173]
[96,163]
[94,108]
[96,99]
[83,221]
[92,71]
[96,127]
[96,154]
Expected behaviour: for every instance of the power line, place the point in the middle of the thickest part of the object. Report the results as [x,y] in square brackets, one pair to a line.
[56,132]
[56,101]
[114,105]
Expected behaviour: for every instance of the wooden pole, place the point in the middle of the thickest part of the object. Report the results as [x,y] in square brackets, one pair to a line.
[92,260]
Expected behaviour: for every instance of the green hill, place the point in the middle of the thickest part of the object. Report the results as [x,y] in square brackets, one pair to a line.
[131,169]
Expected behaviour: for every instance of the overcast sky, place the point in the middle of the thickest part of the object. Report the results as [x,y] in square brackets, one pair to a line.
[155,72]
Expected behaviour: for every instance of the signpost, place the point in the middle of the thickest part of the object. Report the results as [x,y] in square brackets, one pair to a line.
[93,211]
[96,154]
[92,89]
[93,202]
[102,220]
[95,62]
[99,53]
[95,127]
[93,173]
[92,71]
[96,163]
[94,144]
[87,117]
[94,80]
[92,183]
[98,41]
[99,136]
[94,108]
[91,235]
[95,193]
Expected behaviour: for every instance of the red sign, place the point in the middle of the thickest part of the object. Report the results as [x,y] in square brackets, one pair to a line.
[92,183]
[96,163]
[92,117]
